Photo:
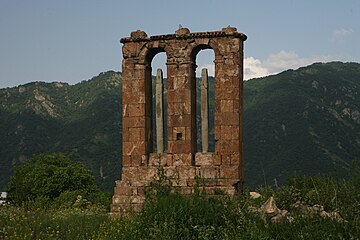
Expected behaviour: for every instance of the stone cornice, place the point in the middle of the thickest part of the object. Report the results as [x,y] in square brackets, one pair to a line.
[184,33]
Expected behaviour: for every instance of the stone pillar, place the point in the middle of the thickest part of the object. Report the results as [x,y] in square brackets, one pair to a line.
[181,107]
[229,108]
[159,112]
[204,111]
[135,112]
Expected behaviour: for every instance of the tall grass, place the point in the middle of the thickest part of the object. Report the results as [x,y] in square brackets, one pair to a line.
[198,216]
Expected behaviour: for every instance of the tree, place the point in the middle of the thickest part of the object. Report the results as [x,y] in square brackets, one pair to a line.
[47,176]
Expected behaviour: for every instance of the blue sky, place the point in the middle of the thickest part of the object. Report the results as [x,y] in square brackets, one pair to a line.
[71,41]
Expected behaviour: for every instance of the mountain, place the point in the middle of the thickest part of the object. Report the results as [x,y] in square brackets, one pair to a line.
[303,121]
[82,120]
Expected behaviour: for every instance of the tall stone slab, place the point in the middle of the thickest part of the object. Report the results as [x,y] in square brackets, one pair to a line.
[204,111]
[159,112]
[182,164]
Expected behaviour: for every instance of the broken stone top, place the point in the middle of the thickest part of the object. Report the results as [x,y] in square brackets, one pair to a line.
[138,34]
[184,33]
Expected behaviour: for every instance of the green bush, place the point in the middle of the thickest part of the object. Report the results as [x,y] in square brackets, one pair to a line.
[67,199]
[47,177]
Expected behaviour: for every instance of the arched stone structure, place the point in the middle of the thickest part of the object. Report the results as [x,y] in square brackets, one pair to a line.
[222,169]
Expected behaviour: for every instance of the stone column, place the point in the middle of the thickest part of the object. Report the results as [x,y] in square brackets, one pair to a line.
[228,108]
[204,111]
[159,112]
[181,104]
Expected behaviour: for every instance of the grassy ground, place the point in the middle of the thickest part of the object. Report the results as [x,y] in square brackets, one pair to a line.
[172,216]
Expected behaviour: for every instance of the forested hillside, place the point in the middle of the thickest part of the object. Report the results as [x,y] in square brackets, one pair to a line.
[303,121]
[82,120]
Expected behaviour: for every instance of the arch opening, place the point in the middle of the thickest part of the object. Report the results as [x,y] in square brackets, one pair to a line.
[157,62]
[204,56]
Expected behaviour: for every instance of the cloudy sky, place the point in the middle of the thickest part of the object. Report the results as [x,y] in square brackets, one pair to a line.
[74,40]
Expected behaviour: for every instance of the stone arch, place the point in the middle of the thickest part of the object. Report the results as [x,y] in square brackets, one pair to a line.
[146,57]
[197,48]
[204,139]
[223,169]
[203,44]
[152,52]
[151,49]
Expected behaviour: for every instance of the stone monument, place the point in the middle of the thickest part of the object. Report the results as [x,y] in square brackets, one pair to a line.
[182,164]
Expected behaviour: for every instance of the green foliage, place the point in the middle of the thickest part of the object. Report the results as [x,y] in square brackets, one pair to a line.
[95,201]
[48,176]
[81,120]
[67,199]
[333,193]
[19,223]
[302,121]
[189,217]
[197,216]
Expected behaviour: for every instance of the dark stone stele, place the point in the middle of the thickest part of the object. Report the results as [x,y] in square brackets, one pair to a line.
[221,169]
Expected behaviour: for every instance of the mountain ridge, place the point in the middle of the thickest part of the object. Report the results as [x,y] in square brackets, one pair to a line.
[63,118]
[311,121]
[302,121]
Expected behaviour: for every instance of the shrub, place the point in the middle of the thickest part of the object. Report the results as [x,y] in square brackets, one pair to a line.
[47,176]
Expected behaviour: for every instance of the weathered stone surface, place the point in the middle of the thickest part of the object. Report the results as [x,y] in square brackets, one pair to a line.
[139,34]
[227,146]
[218,172]
[226,159]
[133,122]
[254,195]
[316,210]
[182,31]
[212,172]
[179,146]
[229,132]
[204,111]
[217,159]
[158,159]
[202,159]
[269,207]
[229,29]
[171,172]
[180,159]
[187,190]
[269,211]
[159,112]
[231,172]
[133,148]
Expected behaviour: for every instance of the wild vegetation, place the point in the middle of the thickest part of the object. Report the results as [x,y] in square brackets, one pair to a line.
[167,215]
[303,121]
[82,121]
[298,122]
[52,179]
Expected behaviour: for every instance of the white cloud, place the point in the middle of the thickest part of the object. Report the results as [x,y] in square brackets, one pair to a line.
[276,63]
[284,60]
[341,33]
[254,68]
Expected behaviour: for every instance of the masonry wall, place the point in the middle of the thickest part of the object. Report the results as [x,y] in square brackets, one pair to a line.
[222,169]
